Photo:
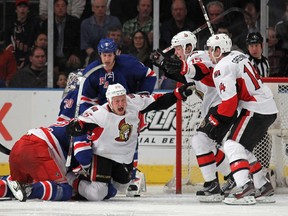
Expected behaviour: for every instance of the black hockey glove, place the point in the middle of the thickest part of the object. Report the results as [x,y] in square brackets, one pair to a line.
[175,66]
[75,128]
[157,57]
[184,91]
[216,126]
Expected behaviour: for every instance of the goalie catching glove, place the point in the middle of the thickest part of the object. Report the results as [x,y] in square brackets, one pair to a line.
[184,91]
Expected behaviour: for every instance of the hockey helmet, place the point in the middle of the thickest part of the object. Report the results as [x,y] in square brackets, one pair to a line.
[115,90]
[254,38]
[222,41]
[183,39]
[107,45]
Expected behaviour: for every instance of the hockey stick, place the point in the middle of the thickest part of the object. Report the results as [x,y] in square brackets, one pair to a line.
[4,150]
[81,83]
[206,17]
[204,26]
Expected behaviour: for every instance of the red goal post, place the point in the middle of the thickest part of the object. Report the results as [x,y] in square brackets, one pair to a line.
[188,118]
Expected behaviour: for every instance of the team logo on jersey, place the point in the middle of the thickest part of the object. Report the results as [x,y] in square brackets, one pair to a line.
[124,131]
[222,87]
[68,103]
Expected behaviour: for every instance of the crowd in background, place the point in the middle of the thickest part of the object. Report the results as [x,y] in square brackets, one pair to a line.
[80,24]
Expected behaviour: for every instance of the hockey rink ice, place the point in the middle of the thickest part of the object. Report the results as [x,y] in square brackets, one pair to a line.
[154,202]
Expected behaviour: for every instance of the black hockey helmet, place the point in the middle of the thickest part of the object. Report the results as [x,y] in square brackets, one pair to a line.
[253,38]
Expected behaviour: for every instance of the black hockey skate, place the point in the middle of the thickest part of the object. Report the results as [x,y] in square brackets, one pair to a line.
[227,187]
[211,192]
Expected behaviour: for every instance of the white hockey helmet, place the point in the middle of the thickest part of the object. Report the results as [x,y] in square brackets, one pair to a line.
[222,41]
[183,38]
[115,90]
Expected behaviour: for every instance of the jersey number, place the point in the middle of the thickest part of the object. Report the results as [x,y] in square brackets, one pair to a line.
[254,76]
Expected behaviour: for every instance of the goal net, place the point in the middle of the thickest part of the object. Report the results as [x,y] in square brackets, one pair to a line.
[187,175]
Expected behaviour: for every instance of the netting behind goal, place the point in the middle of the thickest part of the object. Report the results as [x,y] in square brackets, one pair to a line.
[187,175]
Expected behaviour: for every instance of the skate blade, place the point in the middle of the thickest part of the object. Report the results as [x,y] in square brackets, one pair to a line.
[265,199]
[211,198]
[248,200]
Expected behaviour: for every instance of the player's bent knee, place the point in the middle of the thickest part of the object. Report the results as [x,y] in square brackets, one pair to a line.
[120,187]
[93,191]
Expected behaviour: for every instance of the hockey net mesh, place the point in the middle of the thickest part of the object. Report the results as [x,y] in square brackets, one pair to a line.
[274,143]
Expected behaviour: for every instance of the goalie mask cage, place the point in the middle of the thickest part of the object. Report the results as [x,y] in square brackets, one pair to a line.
[187,175]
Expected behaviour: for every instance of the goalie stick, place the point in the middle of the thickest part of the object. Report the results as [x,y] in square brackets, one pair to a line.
[81,83]
[4,150]
[204,26]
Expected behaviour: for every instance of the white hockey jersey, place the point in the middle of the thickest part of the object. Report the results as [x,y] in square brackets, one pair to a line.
[205,85]
[116,136]
[239,85]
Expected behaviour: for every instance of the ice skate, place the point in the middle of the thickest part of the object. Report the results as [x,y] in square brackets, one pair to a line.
[137,185]
[244,195]
[210,193]
[228,186]
[20,191]
[265,193]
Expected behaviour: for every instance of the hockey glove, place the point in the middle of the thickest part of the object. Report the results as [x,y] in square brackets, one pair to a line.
[216,126]
[157,57]
[75,128]
[184,91]
[175,66]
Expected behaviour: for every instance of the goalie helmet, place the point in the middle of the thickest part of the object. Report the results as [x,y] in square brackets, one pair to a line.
[222,41]
[183,39]
[115,90]
[107,45]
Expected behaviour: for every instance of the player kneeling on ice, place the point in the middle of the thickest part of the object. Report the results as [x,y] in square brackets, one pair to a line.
[112,129]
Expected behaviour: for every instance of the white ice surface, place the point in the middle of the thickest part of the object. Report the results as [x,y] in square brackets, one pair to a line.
[154,202]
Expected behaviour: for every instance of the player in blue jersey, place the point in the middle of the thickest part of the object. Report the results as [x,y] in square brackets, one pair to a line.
[123,69]
[37,166]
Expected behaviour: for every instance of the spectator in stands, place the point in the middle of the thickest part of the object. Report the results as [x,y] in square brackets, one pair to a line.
[8,66]
[61,80]
[74,8]
[214,9]
[140,48]
[253,22]
[116,34]
[21,32]
[282,30]
[95,27]
[223,27]
[67,53]
[41,40]
[143,21]
[123,9]
[178,22]
[254,43]
[276,57]
[33,75]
